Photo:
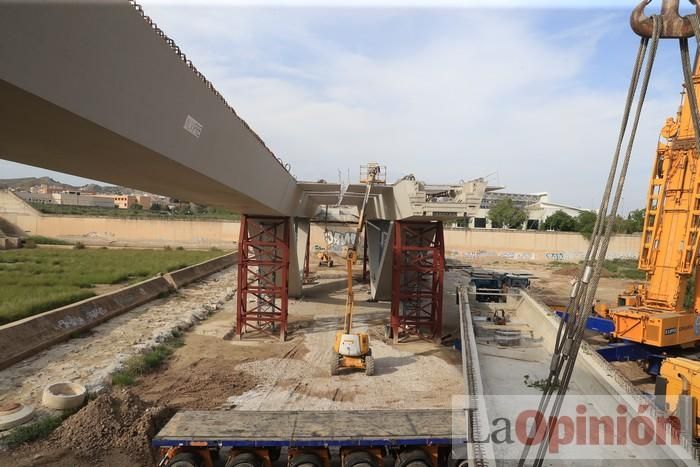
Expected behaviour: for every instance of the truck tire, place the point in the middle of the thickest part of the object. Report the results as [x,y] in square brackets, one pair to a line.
[413,458]
[274,453]
[360,459]
[185,459]
[244,459]
[335,364]
[369,365]
[306,459]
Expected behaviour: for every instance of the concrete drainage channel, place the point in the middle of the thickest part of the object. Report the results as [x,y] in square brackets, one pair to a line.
[45,371]
[524,344]
[26,337]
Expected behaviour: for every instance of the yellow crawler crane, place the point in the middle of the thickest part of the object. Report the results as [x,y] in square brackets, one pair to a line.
[352,350]
[654,313]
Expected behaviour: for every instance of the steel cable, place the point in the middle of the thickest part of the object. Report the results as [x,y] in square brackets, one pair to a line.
[566,326]
[569,334]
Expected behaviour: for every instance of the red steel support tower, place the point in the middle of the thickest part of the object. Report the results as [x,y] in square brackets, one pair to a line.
[263,271]
[417,279]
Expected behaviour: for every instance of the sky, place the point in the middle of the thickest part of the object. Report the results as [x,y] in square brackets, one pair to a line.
[527,92]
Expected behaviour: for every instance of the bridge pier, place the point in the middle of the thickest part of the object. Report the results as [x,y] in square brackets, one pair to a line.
[300,236]
[380,235]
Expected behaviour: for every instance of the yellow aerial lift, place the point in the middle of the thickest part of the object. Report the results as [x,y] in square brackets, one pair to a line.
[352,350]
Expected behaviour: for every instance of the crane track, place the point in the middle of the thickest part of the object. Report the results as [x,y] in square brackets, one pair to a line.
[479,449]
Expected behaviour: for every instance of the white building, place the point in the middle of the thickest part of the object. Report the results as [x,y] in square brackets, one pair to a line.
[536,205]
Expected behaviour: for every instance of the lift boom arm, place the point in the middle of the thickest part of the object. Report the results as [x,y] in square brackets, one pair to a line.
[352,250]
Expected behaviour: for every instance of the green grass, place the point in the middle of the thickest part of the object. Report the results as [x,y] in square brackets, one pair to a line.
[146,362]
[36,280]
[35,430]
[95,211]
[624,269]
[41,240]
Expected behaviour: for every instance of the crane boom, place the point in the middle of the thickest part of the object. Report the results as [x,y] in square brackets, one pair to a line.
[657,313]
[670,237]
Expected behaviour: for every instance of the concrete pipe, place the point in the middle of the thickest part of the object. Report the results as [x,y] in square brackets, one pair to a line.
[14,414]
[64,396]
[508,337]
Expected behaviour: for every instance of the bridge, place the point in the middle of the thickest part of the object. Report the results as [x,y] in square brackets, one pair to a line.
[96,89]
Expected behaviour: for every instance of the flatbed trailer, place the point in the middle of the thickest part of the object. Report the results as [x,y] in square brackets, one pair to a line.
[359,438]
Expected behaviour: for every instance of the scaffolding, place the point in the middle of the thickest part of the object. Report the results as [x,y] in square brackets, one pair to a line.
[417,279]
[263,275]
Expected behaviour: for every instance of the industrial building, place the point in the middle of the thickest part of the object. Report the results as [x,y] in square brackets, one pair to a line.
[68,198]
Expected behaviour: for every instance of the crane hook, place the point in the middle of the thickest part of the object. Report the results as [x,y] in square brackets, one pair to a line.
[673,25]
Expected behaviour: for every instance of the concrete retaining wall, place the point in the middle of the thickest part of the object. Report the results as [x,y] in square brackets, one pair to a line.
[469,245]
[28,336]
[116,231]
[184,276]
[519,245]
[527,245]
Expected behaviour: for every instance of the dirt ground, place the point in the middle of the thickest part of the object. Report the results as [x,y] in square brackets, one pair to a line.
[213,370]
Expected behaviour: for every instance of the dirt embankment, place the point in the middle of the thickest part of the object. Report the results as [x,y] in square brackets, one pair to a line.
[117,426]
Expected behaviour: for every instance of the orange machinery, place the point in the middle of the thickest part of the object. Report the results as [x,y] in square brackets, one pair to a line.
[654,313]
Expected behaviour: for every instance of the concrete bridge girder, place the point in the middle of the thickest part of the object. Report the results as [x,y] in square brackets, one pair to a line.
[90,89]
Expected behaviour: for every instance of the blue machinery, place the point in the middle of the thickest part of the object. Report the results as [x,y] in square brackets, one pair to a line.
[622,351]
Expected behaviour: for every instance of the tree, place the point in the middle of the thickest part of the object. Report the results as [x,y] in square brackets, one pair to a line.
[506,215]
[635,221]
[585,223]
[137,207]
[155,207]
[560,221]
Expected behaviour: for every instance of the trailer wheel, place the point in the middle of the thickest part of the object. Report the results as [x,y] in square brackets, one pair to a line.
[369,365]
[360,459]
[335,364]
[306,459]
[413,458]
[185,459]
[244,459]
[274,453]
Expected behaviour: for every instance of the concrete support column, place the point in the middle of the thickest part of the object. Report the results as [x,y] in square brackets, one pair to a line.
[301,229]
[380,234]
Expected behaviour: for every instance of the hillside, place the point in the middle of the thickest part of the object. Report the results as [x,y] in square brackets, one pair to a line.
[24,184]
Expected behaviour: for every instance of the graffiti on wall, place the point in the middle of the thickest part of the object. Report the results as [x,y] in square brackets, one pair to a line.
[557,256]
[337,240]
[560,256]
